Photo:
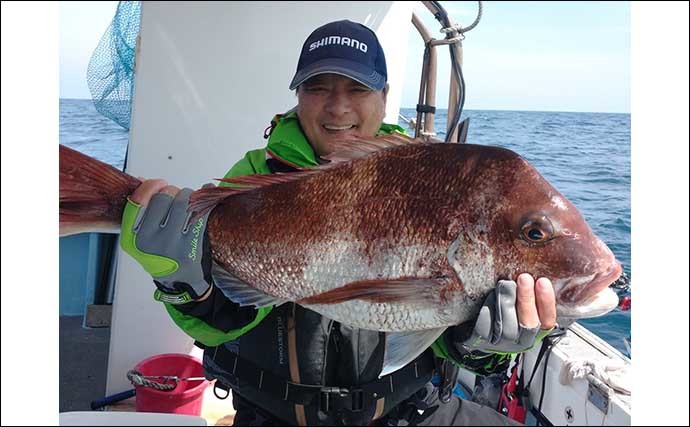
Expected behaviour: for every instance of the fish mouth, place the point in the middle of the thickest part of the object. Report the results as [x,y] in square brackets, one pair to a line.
[589,296]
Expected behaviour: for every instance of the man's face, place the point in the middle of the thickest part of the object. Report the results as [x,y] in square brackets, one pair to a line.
[331,106]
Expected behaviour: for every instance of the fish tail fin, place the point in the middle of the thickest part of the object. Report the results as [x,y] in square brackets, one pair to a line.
[92,194]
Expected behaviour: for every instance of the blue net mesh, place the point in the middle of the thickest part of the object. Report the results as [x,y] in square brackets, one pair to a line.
[110,74]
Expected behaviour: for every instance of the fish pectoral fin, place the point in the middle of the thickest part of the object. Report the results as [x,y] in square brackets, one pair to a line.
[410,290]
[240,292]
[404,347]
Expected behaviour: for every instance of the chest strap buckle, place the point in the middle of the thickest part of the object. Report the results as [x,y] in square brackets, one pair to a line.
[341,397]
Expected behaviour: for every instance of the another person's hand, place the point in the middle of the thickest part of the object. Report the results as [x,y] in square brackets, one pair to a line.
[515,316]
[157,233]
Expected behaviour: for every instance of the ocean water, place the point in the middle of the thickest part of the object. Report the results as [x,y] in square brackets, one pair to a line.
[86,130]
[586,156]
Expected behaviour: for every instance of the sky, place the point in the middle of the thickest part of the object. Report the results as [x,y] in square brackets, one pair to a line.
[33,59]
[543,56]
[81,26]
[539,56]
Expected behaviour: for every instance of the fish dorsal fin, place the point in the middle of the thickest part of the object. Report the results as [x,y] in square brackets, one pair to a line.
[344,150]
[404,347]
[250,182]
[239,291]
[205,199]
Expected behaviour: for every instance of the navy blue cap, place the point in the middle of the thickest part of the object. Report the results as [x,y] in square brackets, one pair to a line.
[346,48]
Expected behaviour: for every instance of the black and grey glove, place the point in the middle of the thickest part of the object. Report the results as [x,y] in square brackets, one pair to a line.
[497,329]
[170,248]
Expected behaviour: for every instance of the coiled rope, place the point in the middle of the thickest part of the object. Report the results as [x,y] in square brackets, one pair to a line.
[163,383]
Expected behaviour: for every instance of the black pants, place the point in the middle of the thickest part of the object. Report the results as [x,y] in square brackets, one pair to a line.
[422,409]
[425,409]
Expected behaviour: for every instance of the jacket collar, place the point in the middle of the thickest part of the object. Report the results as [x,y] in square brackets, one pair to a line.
[288,144]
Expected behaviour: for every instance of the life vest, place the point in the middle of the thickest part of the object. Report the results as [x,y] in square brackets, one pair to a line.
[303,368]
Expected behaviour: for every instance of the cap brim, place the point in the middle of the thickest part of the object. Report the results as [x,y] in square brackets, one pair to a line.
[344,67]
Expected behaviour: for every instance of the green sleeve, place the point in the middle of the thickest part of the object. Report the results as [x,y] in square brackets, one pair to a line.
[479,362]
[252,163]
[207,334]
[476,362]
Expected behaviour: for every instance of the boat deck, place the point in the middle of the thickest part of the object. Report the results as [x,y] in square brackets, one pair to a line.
[83,363]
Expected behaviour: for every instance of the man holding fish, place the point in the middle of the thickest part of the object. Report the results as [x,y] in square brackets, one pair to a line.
[326,286]
[341,92]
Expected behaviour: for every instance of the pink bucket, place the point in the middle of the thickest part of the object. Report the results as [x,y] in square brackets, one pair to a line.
[186,398]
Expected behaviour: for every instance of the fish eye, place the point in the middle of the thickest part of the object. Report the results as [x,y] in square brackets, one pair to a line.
[535,234]
[537,229]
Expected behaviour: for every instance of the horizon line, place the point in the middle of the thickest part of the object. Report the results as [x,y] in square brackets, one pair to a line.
[466,109]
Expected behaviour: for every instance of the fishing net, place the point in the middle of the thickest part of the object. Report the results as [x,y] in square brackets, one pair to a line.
[110,74]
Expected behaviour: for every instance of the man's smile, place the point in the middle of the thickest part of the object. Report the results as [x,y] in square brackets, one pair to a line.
[337,128]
